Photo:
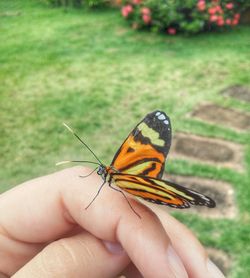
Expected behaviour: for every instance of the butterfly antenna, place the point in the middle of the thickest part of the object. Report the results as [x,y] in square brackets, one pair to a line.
[71,130]
[76,161]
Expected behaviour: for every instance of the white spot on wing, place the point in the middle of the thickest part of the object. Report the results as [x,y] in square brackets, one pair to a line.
[161,117]
[157,113]
[166,122]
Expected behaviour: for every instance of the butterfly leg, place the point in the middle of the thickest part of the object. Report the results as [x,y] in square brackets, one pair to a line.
[99,190]
[85,176]
[116,189]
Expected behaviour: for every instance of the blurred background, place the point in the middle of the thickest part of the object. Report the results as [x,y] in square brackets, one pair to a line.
[101,67]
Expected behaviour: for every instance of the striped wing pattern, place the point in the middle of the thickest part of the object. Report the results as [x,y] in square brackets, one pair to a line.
[161,191]
[145,150]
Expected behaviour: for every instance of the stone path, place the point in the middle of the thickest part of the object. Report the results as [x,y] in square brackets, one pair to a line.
[237,91]
[218,153]
[231,118]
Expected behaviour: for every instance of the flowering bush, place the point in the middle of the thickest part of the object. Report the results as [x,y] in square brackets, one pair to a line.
[190,16]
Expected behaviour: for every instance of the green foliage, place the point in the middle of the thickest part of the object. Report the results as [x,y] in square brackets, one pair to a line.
[189,16]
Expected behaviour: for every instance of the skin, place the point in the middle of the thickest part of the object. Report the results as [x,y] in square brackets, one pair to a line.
[45,231]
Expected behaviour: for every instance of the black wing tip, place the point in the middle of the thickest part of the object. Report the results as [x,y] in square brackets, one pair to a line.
[159,111]
[159,121]
[206,201]
[211,203]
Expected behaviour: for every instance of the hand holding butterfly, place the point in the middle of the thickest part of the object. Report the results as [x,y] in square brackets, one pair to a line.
[46,232]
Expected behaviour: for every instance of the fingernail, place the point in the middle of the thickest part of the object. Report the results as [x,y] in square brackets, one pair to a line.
[114,247]
[175,264]
[214,270]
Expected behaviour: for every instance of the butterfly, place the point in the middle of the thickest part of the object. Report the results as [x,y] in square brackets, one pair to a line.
[138,166]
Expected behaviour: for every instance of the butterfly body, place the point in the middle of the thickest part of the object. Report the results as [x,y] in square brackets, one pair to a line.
[138,166]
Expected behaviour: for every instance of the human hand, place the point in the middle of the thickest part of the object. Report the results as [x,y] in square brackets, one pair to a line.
[45,231]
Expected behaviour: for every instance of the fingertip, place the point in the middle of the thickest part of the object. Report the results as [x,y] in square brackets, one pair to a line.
[145,240]
[114,247]
[213,270]
[188,247]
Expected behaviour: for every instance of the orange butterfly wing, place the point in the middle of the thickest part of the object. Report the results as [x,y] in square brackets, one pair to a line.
[161,192]
[145,150]
[138,166]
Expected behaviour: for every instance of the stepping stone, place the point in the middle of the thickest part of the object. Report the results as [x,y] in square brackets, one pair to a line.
[221,259]
[216,152]
[221,192]
[238,91]
[223,116]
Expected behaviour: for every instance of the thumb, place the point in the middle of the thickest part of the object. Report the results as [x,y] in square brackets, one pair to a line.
[82,255]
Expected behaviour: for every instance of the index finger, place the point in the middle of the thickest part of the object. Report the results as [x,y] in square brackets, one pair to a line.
[46,208]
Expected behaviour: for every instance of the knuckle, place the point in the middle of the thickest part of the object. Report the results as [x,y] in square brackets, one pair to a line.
[58,258]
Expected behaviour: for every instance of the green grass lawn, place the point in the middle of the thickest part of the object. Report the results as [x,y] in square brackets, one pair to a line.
[90,70]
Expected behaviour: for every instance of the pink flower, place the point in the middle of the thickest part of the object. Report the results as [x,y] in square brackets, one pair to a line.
[212,10]
[220,21]
[146,18]
[201,5]
[219,9]
[213,18]
[129,8]
[126,10]
[136,2]
[235,21]
[145,10]
[229,6]
[171,31]
[228,21]
[237,16]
